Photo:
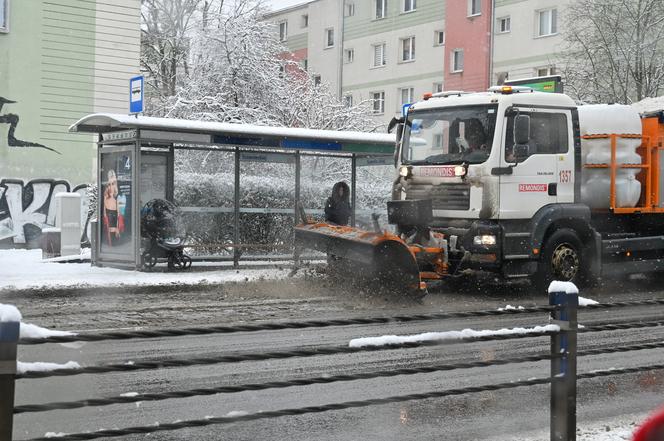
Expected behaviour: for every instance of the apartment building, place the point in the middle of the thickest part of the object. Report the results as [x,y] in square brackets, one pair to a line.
[391,52]
[527,38]
[387,52]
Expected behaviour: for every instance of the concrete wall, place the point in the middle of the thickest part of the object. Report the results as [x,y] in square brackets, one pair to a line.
[60,60]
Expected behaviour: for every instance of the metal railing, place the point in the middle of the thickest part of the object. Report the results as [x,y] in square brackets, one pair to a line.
[562,310]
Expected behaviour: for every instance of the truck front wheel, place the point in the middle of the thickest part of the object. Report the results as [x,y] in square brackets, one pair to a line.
[561,259]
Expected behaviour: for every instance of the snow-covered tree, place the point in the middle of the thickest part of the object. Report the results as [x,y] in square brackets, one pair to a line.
[614,50]
[235,70]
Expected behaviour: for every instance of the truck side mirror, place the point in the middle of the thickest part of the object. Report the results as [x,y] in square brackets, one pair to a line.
[521,129]
[398,123]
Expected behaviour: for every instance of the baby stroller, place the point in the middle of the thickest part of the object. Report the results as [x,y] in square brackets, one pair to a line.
[164,236]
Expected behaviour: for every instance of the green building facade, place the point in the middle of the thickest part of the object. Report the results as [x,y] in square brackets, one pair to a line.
[59,60]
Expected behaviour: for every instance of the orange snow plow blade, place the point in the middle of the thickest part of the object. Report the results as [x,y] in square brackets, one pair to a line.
[382,257]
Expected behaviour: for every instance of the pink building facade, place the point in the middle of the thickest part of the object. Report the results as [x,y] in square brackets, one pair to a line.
[468,44]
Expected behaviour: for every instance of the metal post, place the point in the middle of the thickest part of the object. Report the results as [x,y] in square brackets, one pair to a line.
[353,189]
[296,214]
[563,366]
[236,210]
[9,332]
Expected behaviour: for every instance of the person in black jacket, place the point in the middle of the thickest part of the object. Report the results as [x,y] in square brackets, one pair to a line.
[337,206]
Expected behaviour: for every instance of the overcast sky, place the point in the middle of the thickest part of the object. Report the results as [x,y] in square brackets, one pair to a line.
[280,4]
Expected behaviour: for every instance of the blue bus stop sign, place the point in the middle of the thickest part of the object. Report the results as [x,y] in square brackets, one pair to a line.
[136,95]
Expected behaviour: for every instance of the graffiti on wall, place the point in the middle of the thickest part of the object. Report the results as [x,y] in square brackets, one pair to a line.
[27,208]
[12,120]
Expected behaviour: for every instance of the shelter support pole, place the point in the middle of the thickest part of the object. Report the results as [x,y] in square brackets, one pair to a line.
[296,214]
[9,333]
[353,187]
[236,211]
[563,366]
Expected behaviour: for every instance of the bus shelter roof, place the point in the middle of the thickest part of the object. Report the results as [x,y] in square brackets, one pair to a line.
[257,137]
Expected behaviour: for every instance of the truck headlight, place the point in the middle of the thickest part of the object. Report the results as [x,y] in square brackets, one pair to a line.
[405,171]
[484,240]
[459,170]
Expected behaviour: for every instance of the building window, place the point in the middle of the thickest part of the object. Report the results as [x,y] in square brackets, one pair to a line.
[545,71]
[457,60]
[437,87]
[378,99]
[408,49]
[547,22]
[282,71]
[349,10]
[504,25]
[409,5]
[378,55]
[438,38]
[474,7]
[329,37]
[304,22]
[283,31]
[348,100]
[317,80]
[406,94]
[305,64]
[4,15]
[381,9]
[349,55]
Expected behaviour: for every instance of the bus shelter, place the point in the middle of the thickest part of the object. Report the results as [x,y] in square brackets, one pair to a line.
[136,157]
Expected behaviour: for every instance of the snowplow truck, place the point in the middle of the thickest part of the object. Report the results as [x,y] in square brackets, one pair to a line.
[519,183]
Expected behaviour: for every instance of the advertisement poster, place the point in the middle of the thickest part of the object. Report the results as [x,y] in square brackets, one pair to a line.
[116,196]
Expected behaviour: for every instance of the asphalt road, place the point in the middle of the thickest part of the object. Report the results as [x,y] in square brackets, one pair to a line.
[479,416]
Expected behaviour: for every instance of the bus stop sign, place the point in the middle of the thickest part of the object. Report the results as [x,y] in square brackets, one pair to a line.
[136,95]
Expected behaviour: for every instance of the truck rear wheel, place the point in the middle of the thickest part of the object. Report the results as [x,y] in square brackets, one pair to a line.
[561,259]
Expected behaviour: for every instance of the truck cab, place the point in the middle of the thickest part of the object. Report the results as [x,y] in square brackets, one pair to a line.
[494,165]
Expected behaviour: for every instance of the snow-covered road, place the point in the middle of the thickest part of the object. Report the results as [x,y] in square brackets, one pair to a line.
[519,414]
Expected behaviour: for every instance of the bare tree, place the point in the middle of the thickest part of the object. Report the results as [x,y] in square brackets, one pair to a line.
[614,50]
[165,28]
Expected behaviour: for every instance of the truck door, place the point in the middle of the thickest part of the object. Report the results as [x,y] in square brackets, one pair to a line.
[534,181]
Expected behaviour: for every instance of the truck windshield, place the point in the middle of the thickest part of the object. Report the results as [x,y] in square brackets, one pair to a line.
[451,135]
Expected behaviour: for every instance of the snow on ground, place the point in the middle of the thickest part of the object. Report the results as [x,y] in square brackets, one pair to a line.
[40,366]
[29,330]
[24,269]
[617,429]
[448,335]
[511,308]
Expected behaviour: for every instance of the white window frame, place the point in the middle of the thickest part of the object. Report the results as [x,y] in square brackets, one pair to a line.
[383,9]
[348,100]
[411,49]
[436,38]
[504,29]
[380,101]
[4,20]
[551,23]
[409,6]
[471,8]
[437,87]
[349,9]
[349,55]
[453,61]
[411,97]
[549,70]
[328,32]
[304,21]
[283,35]
[373,55]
